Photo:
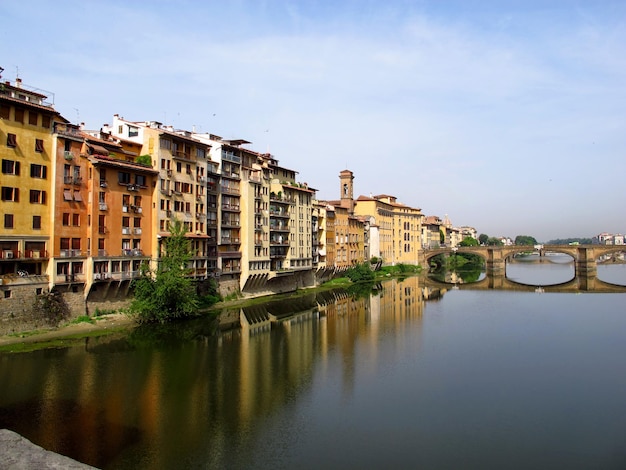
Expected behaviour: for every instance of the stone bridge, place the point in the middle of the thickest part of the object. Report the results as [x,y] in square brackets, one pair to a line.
[580,283]
[585,256]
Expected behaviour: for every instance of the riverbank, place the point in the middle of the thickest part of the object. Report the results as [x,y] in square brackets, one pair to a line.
[103,325]
[109,324]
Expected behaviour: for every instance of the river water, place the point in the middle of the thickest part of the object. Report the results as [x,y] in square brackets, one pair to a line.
[401,378]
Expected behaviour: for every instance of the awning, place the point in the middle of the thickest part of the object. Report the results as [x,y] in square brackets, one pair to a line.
[67,195]
[98,149]
[77,196]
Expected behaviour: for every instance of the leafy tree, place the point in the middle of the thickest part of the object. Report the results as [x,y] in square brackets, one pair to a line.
[525,240]
[493,241]
[567,241]
[442,236]
[482,238]
[469,241]
[167,294]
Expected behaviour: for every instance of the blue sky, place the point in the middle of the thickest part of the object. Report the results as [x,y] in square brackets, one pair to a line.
[509,116]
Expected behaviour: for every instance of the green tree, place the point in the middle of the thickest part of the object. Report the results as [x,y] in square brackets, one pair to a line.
[482,238]
[525,240]
[167,293]
[469,241]
[493,241]
[359,273]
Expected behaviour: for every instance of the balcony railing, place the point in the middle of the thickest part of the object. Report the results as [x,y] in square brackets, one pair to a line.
[70,253]
[231,157]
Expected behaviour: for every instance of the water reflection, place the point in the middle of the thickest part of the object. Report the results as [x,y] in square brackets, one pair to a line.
[189,394]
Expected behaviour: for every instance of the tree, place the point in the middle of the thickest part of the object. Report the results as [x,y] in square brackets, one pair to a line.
[493,241]
[525,240]
[167,293]
[482,238]
[469,241]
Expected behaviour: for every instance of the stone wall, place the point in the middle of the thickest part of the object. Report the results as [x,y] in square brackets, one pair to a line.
[25,305]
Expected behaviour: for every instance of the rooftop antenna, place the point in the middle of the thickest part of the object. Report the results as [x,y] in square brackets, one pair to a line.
[77,116]
[1,70]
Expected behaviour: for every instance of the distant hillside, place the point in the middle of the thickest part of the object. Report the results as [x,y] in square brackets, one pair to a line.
[567,241]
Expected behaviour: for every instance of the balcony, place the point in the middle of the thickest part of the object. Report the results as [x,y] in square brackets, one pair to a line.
[103,207]
[279,228]
[231,157]
[137,231]
[180,155]
[10,254]
[133,252]
[279,213]
[231,207]
[34,254]
[125,230]
[70,253]
[77,181]
[230,241]
[231,174]
[103,184]
[230,223]
[101,276]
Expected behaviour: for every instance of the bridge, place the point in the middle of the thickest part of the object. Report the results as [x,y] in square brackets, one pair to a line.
[585,256]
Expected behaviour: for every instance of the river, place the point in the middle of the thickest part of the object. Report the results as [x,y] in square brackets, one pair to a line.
[401,378]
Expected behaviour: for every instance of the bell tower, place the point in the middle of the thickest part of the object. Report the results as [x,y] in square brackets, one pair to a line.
[346,179]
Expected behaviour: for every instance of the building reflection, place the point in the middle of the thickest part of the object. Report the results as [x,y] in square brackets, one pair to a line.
[148,402]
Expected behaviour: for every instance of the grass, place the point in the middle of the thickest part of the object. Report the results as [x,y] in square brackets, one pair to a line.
[82,319]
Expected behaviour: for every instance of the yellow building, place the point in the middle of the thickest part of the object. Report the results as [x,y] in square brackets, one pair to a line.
[27,155]
[397,226]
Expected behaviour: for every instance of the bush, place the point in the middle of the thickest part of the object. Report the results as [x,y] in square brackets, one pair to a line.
[359,273]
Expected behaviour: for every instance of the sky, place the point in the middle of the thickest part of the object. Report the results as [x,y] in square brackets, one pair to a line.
[508,116]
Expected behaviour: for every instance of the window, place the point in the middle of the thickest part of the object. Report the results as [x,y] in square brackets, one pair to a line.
[200,153]
[77,196]
[38,145]
[36,222]
[38,171]
[66,219]
[65,243]
[32,118]
[165,144]
[140,180]
[76,220]
[9,167]
[19,115]
[67,195]
[4,111]
[37,196]
[45,122]
[133,131]
[10,194]
[11,140]
[123,177]
[8,220]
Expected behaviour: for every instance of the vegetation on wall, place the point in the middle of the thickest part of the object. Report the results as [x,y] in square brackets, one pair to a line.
[144,160]
[50,308]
